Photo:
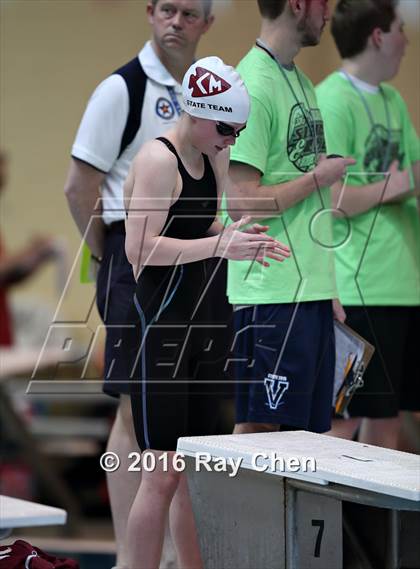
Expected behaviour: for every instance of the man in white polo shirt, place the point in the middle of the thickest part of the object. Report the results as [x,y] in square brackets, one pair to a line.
[138,102]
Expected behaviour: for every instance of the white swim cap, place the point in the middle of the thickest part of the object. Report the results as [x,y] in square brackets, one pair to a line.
[215,91]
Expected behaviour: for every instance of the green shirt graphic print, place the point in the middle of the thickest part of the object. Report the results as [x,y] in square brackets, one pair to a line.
[378,263]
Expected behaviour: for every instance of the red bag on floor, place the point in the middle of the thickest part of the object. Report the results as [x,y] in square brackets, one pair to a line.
[23,555]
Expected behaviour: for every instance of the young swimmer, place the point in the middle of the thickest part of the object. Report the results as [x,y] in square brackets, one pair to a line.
[172,196]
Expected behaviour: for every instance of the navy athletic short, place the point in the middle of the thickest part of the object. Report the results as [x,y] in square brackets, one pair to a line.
[392,379]
[284,359]
[115,289]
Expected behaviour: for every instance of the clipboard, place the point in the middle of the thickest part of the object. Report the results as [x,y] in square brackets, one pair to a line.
[353,354]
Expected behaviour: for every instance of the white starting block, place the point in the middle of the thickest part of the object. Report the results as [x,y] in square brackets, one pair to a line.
[278,511]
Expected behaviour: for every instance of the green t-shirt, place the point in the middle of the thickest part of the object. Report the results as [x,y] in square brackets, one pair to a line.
[378,262]
[280,142]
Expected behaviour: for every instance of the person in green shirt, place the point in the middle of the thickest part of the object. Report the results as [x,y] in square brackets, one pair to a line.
[284,343]
[377,224]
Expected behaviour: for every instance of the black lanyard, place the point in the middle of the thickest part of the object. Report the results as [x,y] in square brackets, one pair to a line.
[310,123]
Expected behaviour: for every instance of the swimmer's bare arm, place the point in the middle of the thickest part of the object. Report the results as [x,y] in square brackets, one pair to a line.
[246,195]
[152,187]
[220,165]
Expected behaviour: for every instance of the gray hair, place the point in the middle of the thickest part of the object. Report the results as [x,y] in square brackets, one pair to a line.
[207,5]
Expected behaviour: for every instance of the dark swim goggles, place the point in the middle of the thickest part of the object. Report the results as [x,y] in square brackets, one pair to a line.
[226,130]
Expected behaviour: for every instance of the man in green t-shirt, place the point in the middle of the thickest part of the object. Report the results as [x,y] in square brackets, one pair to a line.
[284,342]
[378,260]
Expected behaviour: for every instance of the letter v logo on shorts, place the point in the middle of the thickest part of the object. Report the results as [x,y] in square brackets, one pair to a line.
[276,386]
[207,84]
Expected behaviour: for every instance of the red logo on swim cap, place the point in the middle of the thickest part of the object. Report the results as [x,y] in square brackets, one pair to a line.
[206,83]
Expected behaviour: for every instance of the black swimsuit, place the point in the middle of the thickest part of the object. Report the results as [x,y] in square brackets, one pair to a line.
[175,330]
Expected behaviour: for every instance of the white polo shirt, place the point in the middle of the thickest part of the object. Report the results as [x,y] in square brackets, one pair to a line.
[98,139]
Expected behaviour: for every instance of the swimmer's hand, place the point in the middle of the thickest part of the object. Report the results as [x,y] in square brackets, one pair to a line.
[252,243]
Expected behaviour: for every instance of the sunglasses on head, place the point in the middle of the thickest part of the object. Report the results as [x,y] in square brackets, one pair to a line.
[226,130]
